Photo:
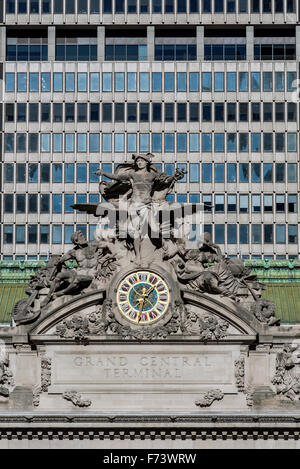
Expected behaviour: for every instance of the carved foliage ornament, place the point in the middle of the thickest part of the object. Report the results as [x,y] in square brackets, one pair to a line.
[76,399]
[239,373]
[6,378]
[45,380]
[209,397]
[286,382]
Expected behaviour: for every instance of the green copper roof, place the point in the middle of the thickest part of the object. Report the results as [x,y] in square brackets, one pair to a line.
[282,278]
[10,293]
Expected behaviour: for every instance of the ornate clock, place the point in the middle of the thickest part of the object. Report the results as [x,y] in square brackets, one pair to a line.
[143,297]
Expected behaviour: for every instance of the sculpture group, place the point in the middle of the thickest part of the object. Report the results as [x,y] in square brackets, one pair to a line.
[140,190]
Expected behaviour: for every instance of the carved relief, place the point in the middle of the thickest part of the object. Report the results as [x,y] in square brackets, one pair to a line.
[76,399]
[209,397]
[239,373]
[45,380]
[208,327]
[264,311]
[286,382]
[6,378]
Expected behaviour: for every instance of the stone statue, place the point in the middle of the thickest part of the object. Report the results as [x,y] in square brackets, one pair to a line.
[75,280]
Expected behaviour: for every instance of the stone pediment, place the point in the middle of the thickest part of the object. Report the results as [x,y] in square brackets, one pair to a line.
[94,317]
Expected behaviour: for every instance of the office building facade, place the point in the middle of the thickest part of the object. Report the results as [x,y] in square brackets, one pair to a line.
[205,85]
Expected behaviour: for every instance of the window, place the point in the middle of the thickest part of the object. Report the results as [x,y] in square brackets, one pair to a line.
[70,81]
[244,172]
[94,112]
[81,112]
[268,142]
[181,112]
[194,142]
[181,144]
[206,81]
[119,81]
[231,172]
[21,143]
[131,82]
[267,81]
[255,172]
[57,81]
[194,81]
[279,81]
[291,81]
[219,142]
[81,143]
[243,142]
[32,203]
[45,112]
[280,202]
[219,203]
[169,142]
[244,203]
[206,142]
[33,82]
[219,234]
[232,234]
[219,81]
[156,81]
[106,112]
[231,81]
[20,234]
[256,234]
[219,112]
[206,172]
[292,203]
[243,81]
[8,203]
[45,81]
[268,233]
[94,81]
[292,234]
[206,112]
[268,172]
[119,142]
[255,81]
[45,172]
[22,82]
[231,112]
[231,202]
[57,112]
[255,112]
[268,203]
[292,172]
[82,81]
[9,112]
[291,142]
[144,81]
[8,143]
[69,112]
[33,143]
[8,234]
[194,112]
[279,172]
[181,81]
[32,172]
[144,112]
[9,82]
[156,112]
[244,234]
[219,172]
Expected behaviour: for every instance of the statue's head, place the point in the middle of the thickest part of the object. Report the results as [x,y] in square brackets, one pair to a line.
[142,161]
[78,238]
[207,237]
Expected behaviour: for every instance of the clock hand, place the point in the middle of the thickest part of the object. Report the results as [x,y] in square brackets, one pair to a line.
[149,291]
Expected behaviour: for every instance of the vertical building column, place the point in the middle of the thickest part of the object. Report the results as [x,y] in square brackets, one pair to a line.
[150,43]
[101,43]
[250,42]
[297,42]
[2,43]
[200,43]
[51,43]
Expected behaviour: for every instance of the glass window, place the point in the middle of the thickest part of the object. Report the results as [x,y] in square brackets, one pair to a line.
[10,6]
[268,233]
[292,234]
[8,143]
[22,81]
[231,142]
[57,172]
[280,202]
[69,172]
[156,81]
[82,81]
[57,234]
[119,143]
[131,142]
[45,81]
[144,81]
[32,203]
[21,143]
[231,202]
[244,172]
[169,112]
[9,82]
[268,172]
[291,142]
[244,203]
[69,143]
[255,81]
[94,82]
[231,112]
[69,230]
[206,81]
[20,234]
[206,142]
[292,172]
[219,203]
[244,234]
[156,112]
[144,142]
[45,112]
[219,142]
[169,142]
[106,142]
[194,142]
[243,81]
[57,81]
[219,172]
[94,143]
[256,234]
[181,112]
[279,81]
[231,81]
[33,82]
[292,203]
[291,81]
[69,112]
[119,81]
[81,143]
[206,172]
[268,141]
[194,81]
[8,234]
[181,81]
[268,203]
[206,112]
[33,143]
[131,81]
[219,81]
[45,172]
[8,203]
[231,234]
[231,172]
[256,203]
[21,112]
[8,172]
[181,143]
[32,172]
[21,172]
[68,202]
[219,234]
[169,81]
[70,81]
[267,81]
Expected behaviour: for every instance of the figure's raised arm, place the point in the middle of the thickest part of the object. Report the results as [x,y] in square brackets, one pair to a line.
[115,177]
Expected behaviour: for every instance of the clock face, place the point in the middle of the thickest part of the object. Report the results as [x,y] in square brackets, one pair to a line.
[143,297]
